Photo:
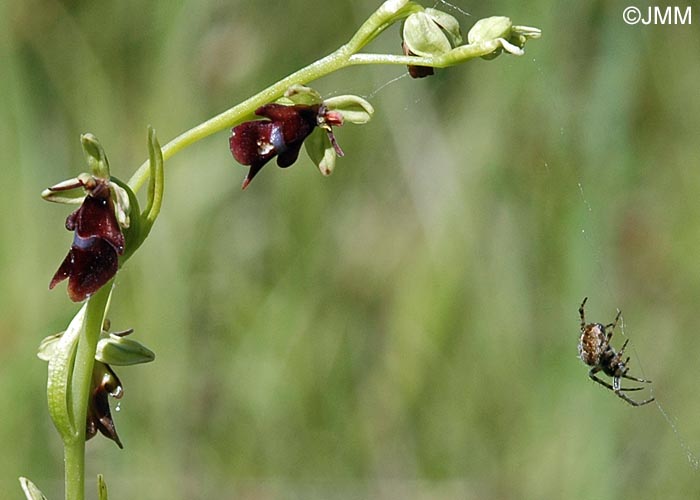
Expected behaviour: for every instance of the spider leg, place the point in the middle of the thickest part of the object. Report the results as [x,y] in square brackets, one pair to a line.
[630,377]
[623,348]
[619,390]
[602,382]
[582,314]
[613,325]
[632,401]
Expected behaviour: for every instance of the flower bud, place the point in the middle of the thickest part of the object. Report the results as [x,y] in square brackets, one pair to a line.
[448,23]
[501,29]
[119,351]
[490,28]
[352,108]
[428,33]
[423,36]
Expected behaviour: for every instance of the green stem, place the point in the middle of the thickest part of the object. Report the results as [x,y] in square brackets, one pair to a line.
[74,446]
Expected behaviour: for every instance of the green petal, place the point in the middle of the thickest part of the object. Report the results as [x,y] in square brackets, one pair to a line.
[321,151]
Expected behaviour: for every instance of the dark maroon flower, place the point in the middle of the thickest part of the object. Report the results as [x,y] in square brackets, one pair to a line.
[105,383]
[416,71]
[93,258]
[256,142]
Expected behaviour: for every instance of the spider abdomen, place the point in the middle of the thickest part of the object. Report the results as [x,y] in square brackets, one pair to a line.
[592,344]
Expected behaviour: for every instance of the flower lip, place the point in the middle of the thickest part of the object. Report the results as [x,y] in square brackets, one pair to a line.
[281,134]
[98,241]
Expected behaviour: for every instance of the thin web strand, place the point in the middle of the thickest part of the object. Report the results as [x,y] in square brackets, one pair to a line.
[452,7]
[693,460]
[692,457]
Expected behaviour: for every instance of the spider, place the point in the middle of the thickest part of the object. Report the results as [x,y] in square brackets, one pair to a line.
[595,350]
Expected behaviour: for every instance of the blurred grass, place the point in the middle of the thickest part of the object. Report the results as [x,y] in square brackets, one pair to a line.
[406,328]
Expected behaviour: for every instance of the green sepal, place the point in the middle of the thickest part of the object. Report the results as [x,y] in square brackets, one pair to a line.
[31,492]
[320,150]
[300,94]
[121,351]
[101,487]
[96,157]
[449,25]
[354,109]
[424,37]
[61,365]
[48,346]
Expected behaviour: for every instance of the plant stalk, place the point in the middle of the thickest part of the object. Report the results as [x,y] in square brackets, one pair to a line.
[74,446]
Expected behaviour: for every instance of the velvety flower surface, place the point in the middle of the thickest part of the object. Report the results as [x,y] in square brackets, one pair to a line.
[256,142]
[93,258]
[105,383]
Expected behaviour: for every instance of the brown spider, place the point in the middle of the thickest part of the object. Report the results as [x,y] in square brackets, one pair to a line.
[595,350]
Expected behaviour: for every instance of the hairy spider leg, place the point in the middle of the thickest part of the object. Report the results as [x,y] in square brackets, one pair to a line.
[612,326]
[582,314]
[619,390]
[632,401]
[592,374]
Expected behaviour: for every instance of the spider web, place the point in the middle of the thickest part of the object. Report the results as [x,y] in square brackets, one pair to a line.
[693,459]
[595,251]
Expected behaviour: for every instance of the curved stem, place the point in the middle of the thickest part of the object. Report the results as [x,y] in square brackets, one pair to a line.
[388,13]
[74,446]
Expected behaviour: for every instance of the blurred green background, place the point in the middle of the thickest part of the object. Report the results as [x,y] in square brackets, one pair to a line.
[405,328]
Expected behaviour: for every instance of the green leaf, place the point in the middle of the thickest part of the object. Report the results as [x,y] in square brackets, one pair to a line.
[101,487]
[59,386]
[30,490]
